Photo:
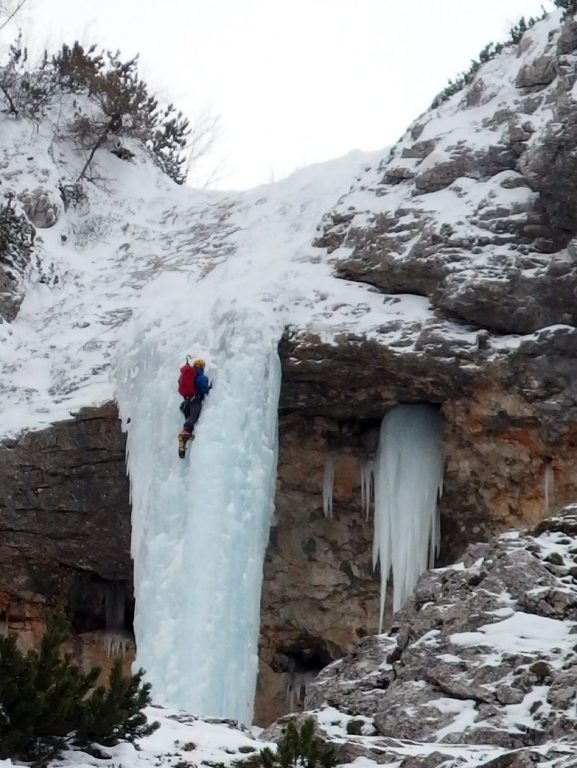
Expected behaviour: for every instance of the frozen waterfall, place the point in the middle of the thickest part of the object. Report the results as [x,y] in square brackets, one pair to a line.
[408,476]
[200,525]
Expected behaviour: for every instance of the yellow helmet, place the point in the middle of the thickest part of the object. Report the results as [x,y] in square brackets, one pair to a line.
[199,363]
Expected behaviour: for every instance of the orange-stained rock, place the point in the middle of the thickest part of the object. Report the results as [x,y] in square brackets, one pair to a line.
[511,459]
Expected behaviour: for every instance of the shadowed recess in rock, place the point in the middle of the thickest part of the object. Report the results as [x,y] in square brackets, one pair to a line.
[329,485]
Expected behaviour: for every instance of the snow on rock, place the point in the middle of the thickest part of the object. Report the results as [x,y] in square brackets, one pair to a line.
[471,217]
[476,659]
[475,205]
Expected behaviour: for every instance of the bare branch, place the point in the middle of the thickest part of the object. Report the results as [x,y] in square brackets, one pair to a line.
[12,14]
[204,134]
[12,107]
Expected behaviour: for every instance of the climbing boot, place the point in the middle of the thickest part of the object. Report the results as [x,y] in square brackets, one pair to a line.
[183,438]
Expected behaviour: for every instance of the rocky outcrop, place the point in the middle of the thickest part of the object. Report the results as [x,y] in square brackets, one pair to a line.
[510,417]
[479,662]
[65,533]
[473,210]
[481,220]
[40,207]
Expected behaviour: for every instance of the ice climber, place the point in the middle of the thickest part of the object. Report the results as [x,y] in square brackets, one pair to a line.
[193,385]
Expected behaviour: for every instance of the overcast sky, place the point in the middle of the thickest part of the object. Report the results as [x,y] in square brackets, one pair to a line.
[293,81]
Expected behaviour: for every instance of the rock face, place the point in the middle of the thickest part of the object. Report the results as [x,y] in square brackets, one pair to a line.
[473,214]
[473,210]
[65,533]
[482,219]
[320,593]
[476,658]
[510,420]
[40,207]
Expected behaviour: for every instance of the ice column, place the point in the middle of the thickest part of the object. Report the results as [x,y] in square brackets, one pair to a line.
[328,485]
[408,478]
[200,525]
[549,489]
[367,482]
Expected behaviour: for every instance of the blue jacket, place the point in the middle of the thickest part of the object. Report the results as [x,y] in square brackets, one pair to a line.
[202,383]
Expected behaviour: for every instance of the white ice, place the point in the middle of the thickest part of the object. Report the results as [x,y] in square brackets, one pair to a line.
[408,479]
[200,526]
[367,489]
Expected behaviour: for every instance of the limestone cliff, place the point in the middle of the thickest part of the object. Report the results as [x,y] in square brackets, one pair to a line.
[65,534]
[473,209]
[466,235]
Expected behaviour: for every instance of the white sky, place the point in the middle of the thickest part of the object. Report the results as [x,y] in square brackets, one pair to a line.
[293,81]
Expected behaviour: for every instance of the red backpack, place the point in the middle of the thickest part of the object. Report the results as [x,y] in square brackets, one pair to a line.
[186,381]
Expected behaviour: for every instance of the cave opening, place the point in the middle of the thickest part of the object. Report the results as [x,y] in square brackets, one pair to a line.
[97,604]
[300,664]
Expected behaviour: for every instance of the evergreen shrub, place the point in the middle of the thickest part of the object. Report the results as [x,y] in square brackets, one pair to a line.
[126,108]
[46,701]
[16,236]
[299,748]
[488,53]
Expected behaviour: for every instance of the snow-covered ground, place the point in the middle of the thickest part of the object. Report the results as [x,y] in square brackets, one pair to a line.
[180,741]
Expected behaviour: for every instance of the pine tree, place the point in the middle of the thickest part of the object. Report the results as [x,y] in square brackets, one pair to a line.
[116,714]
[40,693]
[299,749]
[45,697]
[16,236]
[168,144]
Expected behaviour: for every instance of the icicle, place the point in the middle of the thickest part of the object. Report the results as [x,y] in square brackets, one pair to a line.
[367,486]
[296,689]
[115,644]
[408,479]
[328,485]
[115,605]
[549,483]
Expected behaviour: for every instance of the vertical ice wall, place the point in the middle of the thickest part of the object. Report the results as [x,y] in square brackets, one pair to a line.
[200,526]
[408,476]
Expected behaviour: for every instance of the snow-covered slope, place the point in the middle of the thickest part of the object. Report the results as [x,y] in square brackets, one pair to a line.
[141,247]
[181,740]
[475,205]
[132,280]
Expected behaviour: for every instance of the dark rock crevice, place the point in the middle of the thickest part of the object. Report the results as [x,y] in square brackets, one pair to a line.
[65,533]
